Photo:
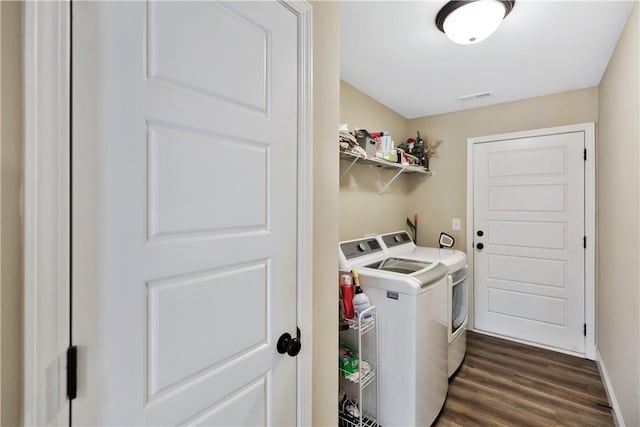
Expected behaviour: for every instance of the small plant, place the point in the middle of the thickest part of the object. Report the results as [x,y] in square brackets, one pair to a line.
[431,148]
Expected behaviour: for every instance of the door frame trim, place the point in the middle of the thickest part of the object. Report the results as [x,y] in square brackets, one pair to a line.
[47,219]
[589,217]
[46,176]
[304,311]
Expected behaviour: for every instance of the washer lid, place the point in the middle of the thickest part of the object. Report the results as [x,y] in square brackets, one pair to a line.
[400,265]
[414,283]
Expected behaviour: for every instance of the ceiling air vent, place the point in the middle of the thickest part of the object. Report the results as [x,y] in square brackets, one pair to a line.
[474,96]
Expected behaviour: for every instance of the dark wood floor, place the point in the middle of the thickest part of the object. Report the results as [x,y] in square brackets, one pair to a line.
[501,383]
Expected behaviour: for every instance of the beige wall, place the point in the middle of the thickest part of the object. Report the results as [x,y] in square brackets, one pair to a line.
[362,210]
[618,221]
[326,45]
[361,111]
[444,195]
[11,144]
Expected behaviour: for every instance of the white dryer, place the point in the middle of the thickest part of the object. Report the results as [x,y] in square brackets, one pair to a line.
[410,297]
[400,244]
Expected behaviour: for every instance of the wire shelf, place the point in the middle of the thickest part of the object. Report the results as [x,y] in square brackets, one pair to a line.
[347,421]
[385,164]
[400,168]
[364,326]
[355,377]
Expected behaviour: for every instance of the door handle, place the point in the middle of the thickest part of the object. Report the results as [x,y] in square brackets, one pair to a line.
[480,246]
[288,344]
[480,233]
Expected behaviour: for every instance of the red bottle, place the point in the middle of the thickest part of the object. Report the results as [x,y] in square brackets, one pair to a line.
[346,287]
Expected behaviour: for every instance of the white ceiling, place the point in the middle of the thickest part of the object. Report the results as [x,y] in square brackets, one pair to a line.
[393,52]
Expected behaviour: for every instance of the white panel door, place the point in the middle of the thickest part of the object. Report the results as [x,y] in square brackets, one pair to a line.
[528,234]
[184,212]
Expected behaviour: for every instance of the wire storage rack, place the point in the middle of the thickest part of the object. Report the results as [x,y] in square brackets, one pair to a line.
[363,421]
[364,331]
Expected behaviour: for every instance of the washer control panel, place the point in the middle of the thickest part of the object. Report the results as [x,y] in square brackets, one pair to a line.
[359,248]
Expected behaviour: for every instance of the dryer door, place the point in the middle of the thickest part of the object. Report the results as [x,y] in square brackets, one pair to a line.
[458,303]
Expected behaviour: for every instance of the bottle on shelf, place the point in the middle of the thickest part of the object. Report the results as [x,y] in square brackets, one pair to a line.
[346,288]
[360,301]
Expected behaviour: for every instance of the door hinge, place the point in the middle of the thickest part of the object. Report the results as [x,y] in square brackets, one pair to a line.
[72,372]
[584,242]
[585,329]
[585,154]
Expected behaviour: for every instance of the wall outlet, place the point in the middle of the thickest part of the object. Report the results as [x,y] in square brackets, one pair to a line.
[455,224]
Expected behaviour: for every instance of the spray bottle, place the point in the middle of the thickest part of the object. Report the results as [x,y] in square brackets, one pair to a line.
[360,301]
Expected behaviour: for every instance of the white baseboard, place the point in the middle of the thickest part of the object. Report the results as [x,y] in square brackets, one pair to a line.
[608,388]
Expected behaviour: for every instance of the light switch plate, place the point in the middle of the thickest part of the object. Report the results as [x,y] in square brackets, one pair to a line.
[455,224]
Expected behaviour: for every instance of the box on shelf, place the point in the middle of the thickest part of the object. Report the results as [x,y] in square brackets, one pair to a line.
[348,360]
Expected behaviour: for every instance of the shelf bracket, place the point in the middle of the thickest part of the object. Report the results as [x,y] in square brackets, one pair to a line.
[391,180]
[349,168]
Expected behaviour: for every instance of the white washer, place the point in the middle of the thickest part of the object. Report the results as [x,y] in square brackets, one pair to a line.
[410,297]
[400,244]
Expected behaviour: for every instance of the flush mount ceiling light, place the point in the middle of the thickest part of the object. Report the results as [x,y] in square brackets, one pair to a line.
[469,22]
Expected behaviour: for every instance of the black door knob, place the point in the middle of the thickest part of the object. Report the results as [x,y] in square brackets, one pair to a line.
[480,233]
[288,344]
[480,246]
[294,347]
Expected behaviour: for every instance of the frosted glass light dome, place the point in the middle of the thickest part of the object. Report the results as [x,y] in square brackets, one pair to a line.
[471,22]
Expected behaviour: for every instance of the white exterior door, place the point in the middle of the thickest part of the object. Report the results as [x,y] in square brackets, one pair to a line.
[529,225]
[184,212]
